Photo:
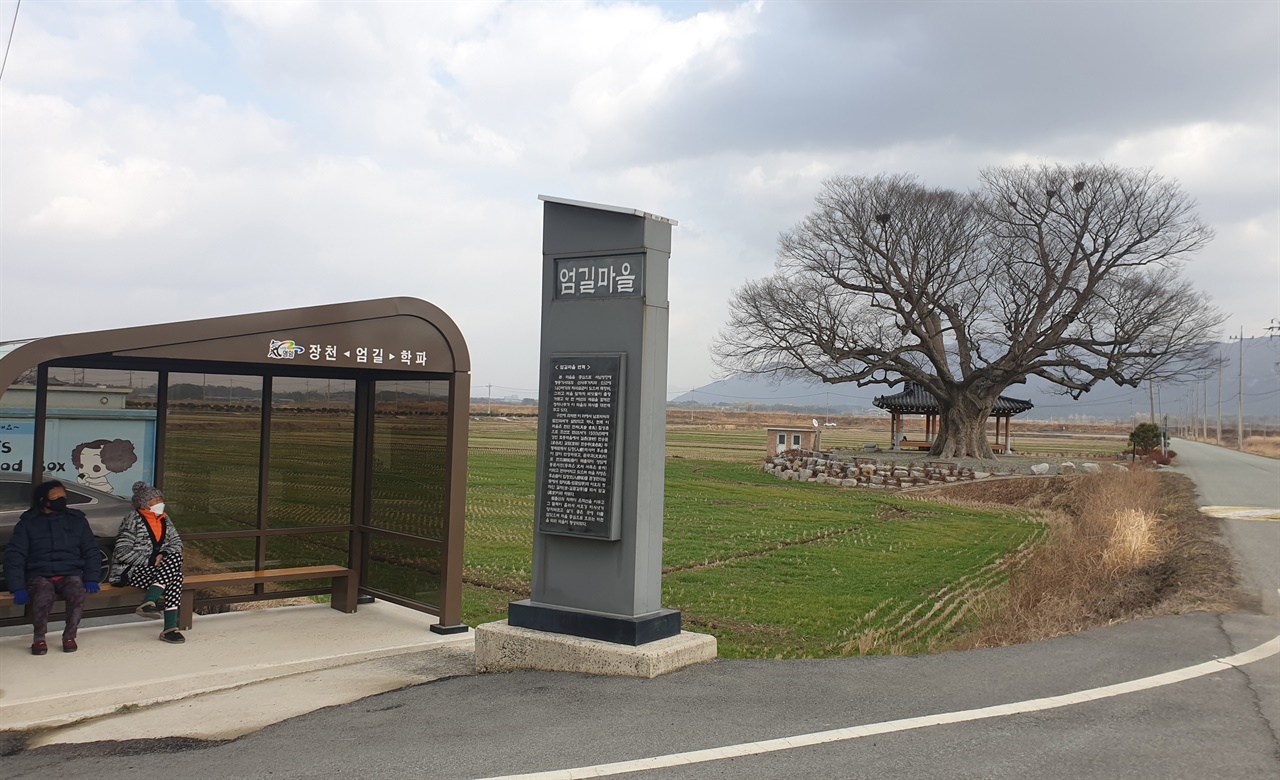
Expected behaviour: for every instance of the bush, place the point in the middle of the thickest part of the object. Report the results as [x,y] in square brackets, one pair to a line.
[1145,438]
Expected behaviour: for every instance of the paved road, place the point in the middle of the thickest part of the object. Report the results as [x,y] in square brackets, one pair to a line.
[1219,725]
[1227,478]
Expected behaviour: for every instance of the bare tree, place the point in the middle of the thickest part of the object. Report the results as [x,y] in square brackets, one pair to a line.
[1070,273]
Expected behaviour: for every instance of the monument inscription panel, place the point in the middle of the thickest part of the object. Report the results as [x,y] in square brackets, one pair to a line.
[581,446]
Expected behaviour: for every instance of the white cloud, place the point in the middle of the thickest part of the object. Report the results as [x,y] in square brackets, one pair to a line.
[316,152]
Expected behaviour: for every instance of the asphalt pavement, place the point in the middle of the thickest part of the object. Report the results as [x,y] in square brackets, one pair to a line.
[1234,486]
[1219,724]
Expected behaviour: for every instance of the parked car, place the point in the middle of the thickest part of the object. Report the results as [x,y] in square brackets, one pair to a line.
[103,510]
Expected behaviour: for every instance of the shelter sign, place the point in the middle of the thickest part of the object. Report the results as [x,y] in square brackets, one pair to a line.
[398,343]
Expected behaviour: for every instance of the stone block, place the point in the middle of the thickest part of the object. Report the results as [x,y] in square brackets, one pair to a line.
[1090,468]
[1040,468]
[501,647]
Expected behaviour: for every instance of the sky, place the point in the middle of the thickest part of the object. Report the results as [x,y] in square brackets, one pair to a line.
[170,161]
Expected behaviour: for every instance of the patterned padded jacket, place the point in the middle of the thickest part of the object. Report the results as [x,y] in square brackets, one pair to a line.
[135,547]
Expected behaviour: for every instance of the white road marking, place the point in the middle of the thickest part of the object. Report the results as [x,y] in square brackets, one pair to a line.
[1241,512]
[1265,650]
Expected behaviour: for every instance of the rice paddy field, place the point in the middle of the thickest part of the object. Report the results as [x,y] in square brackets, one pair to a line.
[772,569]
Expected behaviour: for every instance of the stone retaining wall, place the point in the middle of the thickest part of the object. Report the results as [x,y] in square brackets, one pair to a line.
[823,468]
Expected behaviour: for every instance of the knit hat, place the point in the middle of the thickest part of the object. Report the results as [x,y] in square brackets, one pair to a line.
[144,494]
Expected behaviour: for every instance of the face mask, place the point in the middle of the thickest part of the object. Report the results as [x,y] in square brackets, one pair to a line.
[158,509]
[57,504]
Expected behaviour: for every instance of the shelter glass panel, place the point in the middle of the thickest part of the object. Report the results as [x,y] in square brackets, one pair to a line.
[406,569]
[312,437]
[212,447]
[213,556]
[17,429]
[287,552]
[100,434]
[410,457]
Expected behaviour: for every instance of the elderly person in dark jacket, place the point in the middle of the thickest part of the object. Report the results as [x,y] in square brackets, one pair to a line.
[148,555]
[52,554]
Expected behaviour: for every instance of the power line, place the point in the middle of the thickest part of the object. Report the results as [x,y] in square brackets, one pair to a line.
[12,25]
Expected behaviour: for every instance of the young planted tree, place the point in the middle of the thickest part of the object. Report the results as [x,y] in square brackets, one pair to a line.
[1069,273]
[1145,438]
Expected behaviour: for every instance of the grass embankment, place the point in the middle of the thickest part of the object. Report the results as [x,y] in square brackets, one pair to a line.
[1120,545]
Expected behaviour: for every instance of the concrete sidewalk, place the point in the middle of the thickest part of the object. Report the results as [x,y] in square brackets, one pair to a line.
[236,672]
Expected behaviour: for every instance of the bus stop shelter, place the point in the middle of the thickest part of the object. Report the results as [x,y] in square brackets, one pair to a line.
[303,437]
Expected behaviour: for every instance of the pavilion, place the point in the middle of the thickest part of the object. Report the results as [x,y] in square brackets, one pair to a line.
[915,400]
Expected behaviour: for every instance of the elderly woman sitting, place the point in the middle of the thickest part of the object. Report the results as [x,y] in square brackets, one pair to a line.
[148,555]
[52,555]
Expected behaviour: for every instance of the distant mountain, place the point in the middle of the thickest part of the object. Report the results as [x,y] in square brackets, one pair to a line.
[1106,401]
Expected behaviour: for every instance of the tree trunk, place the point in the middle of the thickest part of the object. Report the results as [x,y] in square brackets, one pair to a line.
[963,433]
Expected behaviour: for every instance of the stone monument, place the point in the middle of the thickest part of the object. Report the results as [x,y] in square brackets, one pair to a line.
[597,549]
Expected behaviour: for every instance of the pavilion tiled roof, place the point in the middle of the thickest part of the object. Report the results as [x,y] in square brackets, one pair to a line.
[914,399]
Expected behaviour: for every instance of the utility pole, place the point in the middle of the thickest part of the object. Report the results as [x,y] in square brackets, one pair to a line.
[1220,367]
[1240,396]
[1204,386]
[1151,397]
[490,412]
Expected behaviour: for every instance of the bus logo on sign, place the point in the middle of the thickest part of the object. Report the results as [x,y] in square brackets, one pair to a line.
[284,350]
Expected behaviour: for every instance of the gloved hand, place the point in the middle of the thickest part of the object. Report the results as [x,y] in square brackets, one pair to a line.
[21,597]
[92,587]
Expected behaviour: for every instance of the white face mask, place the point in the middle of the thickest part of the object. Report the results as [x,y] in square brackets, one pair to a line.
[158,508]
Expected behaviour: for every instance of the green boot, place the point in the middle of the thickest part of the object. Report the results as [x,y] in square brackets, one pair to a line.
[150,606]
[170,633]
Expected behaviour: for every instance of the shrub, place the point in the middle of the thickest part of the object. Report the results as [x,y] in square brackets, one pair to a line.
[1145,438]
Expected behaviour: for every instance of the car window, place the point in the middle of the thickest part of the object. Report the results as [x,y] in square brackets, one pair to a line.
[14,495]
[17,495]
[74,498]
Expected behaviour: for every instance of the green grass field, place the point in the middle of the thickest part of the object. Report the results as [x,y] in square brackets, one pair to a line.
[771,568]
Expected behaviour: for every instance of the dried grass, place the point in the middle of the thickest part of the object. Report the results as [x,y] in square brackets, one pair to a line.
[1266,446]
[1103,560]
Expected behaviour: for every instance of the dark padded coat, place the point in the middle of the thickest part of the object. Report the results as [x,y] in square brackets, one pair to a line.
[56,545]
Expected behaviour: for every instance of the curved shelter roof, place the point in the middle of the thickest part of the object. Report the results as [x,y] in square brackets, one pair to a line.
[393,326]
[914,399]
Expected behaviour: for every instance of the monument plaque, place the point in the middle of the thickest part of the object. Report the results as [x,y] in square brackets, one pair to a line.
[581,445]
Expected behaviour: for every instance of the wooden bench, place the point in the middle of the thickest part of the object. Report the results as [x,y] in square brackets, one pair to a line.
[106,592]
[343,593]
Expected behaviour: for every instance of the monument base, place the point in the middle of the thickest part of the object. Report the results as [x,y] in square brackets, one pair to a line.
[619,630]
[501,647]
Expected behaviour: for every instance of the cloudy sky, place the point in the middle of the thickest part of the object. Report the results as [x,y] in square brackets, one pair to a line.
[165,161]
